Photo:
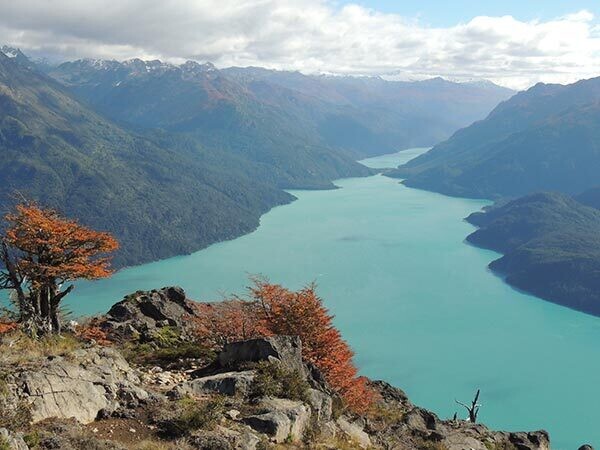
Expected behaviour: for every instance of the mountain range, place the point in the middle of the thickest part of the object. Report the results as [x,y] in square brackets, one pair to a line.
[544,139]
[171,158]
[359,116]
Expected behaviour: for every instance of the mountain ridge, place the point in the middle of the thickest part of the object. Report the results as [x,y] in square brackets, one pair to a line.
[542,139]
[382,116]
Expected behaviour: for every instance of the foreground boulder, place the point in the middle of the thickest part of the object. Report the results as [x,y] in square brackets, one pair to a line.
[143,312]
[284,350]
[283,420]
[91,382]
[228,383]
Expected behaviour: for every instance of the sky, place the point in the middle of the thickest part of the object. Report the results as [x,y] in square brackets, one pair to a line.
[513,43]
[447,13]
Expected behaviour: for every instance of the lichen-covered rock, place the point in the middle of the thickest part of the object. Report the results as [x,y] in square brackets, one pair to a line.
[88,382]
[537,440]
[391,395]
[321,404]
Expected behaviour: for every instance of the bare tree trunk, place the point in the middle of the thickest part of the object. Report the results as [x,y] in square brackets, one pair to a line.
[44,318]
[473,409]
[16,282]
[55,300]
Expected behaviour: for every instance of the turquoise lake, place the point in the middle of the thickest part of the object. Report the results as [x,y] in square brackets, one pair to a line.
[418,304]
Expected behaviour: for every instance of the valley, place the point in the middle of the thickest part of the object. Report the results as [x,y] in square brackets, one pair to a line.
[384,257]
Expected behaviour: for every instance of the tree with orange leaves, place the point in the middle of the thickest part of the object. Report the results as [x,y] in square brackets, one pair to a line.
[41,251]
[303,314]
[228,321]
[275,310]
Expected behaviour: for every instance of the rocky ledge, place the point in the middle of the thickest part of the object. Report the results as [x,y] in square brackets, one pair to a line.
[255,394]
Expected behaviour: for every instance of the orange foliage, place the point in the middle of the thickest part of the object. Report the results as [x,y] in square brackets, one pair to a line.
[228,321]
[55,248]
[302,314]
[7,327]
[92,332]
[275,310]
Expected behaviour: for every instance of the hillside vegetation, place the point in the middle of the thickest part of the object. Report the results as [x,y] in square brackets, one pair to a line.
[551,247]
[160,197]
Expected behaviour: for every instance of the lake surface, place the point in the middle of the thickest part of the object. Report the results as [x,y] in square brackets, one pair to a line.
[417,303]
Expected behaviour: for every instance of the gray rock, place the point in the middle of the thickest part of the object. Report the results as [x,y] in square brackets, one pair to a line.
[286,350]
[421,420]
[283,420]
[209,440]
[274,424]
[460,441]
[390,395]
[228,383]
[247,441]
[90,381]
[241,439]
[14,440]
[145,311]
[537,440]
[354,432]
[321,404]
[586,447]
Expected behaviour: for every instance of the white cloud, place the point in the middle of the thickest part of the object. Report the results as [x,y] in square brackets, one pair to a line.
[307,35]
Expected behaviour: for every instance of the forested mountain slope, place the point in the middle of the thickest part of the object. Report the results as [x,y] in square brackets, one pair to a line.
[159,200]
[266,114]
[551,247]
[546,138]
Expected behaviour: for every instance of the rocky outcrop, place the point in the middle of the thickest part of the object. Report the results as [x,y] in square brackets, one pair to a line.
[143,312]
[91,382]
[228,383]
[284,350]
[283,420]
[403,426]
[354,431]
[255,391]
[415,427]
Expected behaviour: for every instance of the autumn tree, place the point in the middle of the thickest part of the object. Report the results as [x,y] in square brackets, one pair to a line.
[303,314]
[228,321]
[41,252]
[275,310]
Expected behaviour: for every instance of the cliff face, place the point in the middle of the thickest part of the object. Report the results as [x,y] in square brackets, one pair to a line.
[254,394]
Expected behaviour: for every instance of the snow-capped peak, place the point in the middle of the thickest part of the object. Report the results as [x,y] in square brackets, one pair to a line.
[11,52]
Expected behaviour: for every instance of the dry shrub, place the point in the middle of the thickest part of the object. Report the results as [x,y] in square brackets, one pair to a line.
[17,348]
[182,417]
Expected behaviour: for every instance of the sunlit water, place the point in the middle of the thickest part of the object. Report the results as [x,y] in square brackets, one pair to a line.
[417,303]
